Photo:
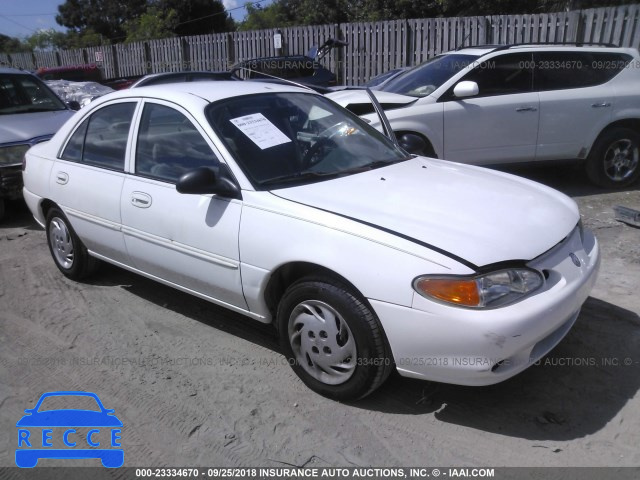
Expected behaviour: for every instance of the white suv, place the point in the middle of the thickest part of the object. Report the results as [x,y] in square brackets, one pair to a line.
[519,103]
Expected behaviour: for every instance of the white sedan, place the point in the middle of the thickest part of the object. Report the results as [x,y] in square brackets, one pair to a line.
[275,202]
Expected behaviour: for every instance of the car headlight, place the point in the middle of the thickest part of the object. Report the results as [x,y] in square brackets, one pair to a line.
[490,290]
[12,155]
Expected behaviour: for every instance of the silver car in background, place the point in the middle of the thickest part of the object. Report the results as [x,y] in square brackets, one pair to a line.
[30,113]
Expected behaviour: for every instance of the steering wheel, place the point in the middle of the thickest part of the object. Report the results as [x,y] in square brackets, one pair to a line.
[311,157]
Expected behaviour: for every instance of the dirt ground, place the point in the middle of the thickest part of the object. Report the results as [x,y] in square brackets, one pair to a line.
[196,385]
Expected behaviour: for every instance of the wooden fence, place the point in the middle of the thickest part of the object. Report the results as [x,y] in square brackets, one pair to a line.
[373,47]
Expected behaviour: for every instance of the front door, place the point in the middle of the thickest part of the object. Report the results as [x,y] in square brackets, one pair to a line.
[188,240]
[500,124]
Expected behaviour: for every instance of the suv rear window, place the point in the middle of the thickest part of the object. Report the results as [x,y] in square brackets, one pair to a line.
[562,70]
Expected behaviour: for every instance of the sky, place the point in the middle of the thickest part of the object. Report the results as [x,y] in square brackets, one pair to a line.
[22,18]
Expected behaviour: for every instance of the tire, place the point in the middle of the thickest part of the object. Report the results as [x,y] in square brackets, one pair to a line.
[614,160]
[346,358]
[68,252]
[2,208]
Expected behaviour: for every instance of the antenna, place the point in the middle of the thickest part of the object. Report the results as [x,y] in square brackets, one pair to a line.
[459,46]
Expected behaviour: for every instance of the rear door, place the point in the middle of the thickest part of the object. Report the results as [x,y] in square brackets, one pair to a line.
[88,176]
[500,124]
[188,240]
[575,101]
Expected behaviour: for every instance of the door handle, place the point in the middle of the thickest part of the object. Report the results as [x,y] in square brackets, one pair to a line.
[601,105]
[62,178]
[140,199]
[526,109]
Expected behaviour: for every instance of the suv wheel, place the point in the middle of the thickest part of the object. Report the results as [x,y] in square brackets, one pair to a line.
[332,340]
[68,252]
[614,160]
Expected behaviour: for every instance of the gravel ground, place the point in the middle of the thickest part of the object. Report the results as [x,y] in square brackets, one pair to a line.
[134,342]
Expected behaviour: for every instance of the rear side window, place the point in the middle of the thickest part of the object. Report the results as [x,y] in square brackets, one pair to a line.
[105,142]
[101,140]
[73,150]
[503,75]
[563,70]
[169,145]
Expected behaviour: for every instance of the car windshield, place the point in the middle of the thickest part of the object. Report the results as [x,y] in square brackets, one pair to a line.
[424,79]
[66,402]
[26,94]
[286,139]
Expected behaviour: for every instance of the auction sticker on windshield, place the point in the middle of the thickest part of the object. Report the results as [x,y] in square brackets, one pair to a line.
[260,130]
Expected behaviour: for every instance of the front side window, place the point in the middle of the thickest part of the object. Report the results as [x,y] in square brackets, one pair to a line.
[169,145]
[426,78]
[106,138]
[503,75]
[284,139]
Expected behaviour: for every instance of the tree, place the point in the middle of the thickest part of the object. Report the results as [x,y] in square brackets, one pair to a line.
[258,18]
[283,13]
[115,20]
[154,23]
[10,44]
[103,17]
[197,17]
[46,40]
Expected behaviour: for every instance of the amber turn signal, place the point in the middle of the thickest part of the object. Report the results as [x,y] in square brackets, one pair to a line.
[454,290]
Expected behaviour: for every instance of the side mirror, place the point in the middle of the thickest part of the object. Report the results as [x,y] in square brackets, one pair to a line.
[205,180]
[413,144]
[73,105]
[466,89]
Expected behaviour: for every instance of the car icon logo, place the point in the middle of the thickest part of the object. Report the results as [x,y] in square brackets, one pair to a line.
[83,433]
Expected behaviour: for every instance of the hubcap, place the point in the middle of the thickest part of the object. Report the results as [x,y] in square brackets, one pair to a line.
[322,342]
[61,244]
[621,160]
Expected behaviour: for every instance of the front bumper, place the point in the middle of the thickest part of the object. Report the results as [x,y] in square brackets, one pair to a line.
[438,342]
[11,182]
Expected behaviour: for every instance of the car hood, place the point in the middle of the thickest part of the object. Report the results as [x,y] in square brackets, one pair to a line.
[20,127]
[470,213]
[69,418]
[354,96]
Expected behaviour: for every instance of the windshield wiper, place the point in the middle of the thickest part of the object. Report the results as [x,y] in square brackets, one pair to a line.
[374,165]
[295,177]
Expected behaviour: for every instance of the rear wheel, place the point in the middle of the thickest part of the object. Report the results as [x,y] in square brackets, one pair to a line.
[68,252]
[2,208]
[332,339]
[614,161]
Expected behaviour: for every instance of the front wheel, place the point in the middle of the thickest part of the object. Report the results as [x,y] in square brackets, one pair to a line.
[68,252]
[614,161]
[332,339]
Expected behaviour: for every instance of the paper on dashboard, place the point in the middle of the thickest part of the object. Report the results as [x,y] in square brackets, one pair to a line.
[260,130]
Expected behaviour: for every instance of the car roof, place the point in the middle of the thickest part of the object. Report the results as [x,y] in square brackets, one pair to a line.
[210,91]
[576,47]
